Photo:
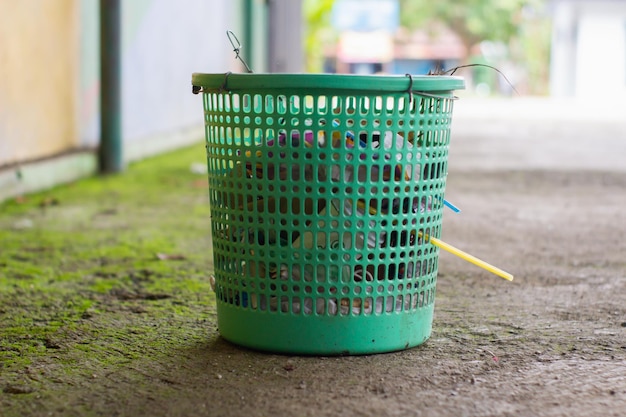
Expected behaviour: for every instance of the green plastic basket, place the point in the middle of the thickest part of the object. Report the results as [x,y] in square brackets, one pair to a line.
[323,190]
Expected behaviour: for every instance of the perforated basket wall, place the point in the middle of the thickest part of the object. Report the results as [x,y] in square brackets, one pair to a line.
[323,190]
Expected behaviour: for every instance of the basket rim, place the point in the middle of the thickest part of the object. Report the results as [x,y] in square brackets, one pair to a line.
[348,82]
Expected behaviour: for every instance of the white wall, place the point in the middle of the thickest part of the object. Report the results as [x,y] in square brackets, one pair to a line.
[589,49]
[169,42]
[601,53]
[163,43]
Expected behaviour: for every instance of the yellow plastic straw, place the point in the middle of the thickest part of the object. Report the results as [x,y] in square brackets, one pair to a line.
[469,258]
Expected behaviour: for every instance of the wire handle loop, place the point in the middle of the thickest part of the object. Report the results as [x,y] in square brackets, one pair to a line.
[237,48]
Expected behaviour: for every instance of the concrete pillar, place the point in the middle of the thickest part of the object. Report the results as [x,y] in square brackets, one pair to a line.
[111,158]
[563,55]
[285,50]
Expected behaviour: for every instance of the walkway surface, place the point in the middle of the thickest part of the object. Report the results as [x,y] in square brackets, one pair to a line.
[539,133]
[95,324]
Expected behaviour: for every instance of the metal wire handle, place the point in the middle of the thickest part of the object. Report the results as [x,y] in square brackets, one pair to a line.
[237,48]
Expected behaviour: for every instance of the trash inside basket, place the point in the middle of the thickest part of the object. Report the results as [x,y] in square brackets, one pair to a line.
[321,189]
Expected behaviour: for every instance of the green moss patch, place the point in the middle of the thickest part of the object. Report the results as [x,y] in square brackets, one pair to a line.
[102,272]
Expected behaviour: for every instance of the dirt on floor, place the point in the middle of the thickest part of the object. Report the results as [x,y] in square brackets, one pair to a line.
[550,343]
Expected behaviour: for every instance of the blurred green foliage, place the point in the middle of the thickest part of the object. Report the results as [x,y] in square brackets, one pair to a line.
[318,32]
[522,27]
[473,20]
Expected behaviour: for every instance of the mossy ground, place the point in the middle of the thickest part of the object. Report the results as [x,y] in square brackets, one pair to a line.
[93,323]
[82,289]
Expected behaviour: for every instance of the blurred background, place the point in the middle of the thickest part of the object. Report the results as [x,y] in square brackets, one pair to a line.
[555,54]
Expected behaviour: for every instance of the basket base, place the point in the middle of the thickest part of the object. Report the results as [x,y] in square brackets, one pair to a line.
[324,335]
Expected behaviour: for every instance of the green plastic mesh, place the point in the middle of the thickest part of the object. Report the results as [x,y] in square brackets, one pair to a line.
[321,204]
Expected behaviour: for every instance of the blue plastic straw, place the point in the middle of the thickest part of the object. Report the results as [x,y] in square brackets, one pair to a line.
[451,206]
